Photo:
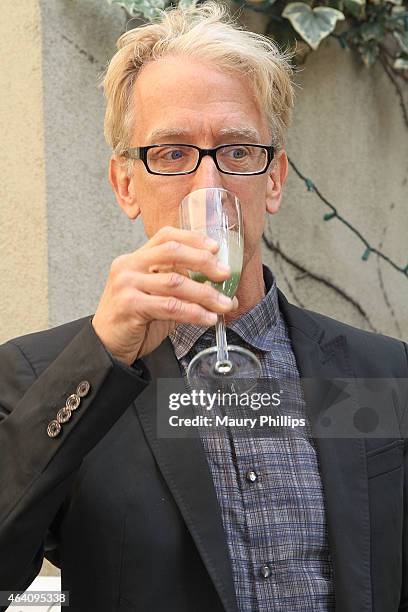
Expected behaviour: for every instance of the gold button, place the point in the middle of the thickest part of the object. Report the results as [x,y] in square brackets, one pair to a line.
[83,388]
[73,402]
[53,429]
[63,415]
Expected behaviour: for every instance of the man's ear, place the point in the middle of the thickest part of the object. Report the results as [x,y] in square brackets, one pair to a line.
[276,179]
[123,186]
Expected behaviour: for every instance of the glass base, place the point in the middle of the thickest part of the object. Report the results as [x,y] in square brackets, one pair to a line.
[238,374]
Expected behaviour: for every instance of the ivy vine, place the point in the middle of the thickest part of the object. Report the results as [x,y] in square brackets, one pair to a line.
[375,29]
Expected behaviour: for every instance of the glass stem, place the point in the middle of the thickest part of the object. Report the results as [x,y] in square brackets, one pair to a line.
[221,337]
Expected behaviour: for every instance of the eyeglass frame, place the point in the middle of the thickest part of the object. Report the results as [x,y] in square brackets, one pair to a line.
[136,153]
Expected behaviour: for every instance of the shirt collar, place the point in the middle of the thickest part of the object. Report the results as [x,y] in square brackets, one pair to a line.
[257,327]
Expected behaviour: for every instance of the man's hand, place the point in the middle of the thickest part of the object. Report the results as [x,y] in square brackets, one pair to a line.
[148,292]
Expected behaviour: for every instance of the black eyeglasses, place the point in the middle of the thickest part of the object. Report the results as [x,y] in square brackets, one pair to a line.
[173,159]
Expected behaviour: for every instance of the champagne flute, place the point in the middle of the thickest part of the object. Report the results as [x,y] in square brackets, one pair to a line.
[216,213]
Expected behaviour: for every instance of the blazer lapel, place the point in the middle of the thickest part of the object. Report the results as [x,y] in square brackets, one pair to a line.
[184,466]
[342,460]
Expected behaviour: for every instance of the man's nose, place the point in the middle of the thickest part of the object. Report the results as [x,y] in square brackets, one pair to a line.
[206,175]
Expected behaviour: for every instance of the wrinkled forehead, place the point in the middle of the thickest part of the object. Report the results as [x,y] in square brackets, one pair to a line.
[234,133]
[175,97]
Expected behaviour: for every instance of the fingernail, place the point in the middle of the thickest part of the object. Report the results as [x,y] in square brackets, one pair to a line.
[210,243]
[235,302]
[224,299]
[223,267]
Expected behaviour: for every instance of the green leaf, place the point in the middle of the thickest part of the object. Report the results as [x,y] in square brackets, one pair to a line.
[377,10]
[149,9]
[313,25]
[397,19]
[355,7]
[184,4]
[128,5]
[337,4]
[397,11]
[369,54]
[402,38]
[366,254]
[371,31]
[401,64]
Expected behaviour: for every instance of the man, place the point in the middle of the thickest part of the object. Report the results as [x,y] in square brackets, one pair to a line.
[137,521]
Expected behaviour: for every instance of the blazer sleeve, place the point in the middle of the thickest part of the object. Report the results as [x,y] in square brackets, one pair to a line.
[36,470]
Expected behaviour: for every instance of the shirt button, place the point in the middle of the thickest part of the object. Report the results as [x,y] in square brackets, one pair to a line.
[265,571]
[251,476]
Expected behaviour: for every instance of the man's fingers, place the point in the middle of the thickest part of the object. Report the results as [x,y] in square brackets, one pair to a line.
[183,288]
[172,254]
[170,308]
[191,238]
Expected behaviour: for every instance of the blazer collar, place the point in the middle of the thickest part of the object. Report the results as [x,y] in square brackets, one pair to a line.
[321,358]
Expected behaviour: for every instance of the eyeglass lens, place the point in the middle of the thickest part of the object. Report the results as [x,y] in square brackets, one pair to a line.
[183,158]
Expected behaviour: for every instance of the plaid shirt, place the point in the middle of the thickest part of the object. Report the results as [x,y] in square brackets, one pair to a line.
[268,488]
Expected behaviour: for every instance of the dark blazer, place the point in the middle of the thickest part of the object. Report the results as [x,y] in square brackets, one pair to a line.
[133,519]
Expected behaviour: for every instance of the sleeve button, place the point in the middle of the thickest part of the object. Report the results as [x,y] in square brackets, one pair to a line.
[73,402]
[63,415]
[83,388]
[53,429]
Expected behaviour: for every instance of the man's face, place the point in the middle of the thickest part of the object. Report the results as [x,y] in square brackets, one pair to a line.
[202,103]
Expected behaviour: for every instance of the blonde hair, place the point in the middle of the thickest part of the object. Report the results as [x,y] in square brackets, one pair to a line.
[206,33]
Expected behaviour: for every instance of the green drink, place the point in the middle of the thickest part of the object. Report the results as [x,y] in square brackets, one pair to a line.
[229,286]
[216,213]
[231,253]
